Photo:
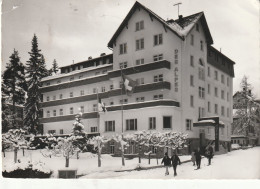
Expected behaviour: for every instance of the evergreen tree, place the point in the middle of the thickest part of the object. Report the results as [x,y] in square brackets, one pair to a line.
[35,71]
[246,110]
[55,67]
[13,89]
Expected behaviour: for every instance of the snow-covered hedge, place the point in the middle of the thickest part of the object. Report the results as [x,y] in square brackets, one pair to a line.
[27,170]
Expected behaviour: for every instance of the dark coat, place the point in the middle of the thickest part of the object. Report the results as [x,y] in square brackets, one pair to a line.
[166,160]
[198,155]
[175,160]
[209,152]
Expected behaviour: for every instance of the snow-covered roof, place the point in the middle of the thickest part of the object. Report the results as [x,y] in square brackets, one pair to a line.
[181,27]
[207,121]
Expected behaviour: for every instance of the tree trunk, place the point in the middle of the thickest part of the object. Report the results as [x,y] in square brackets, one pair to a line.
[67,161]
[149,157]
[77,154]
[15,155]
[139,154]
[123,159]
[99,158]
[23,152]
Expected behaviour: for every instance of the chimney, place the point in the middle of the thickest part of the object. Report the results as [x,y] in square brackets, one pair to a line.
[102,54]
[90,57]
[180,17]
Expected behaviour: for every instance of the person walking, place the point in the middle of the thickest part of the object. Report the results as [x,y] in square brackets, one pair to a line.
[167,163]
[175,161]
[198,158]
[193,158]
[209,154]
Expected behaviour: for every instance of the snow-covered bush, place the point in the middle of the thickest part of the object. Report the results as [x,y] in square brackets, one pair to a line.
[16,139]
[27,170]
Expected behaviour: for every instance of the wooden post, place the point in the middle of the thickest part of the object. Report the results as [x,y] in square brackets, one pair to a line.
[67,161]
[15,155]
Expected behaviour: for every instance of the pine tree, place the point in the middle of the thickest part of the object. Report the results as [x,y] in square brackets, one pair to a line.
[35,71]
[55,67]
[246,110]
[13,89]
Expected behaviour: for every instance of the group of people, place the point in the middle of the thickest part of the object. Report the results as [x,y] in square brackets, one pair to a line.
[195,158]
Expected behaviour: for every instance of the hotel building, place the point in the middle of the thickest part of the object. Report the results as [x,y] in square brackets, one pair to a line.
[180,79]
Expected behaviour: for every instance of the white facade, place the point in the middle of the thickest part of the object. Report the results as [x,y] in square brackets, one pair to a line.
[132,44]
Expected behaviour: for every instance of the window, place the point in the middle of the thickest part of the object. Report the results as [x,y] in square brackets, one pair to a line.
[111,87]
[227,112]
[158,78]
[197,27]
[109,126]
[188,124]
[139,61]
[61,111]
[82,109]
[222,131]
[61,96]
[71,110]
[216,75]
[47,98]
[94,90]
[167,122]
[216,109]
[125,101]
[48,114]
[140,99]
[201,45]
[154,149]
[201,74]
[191,61]
[59,81]
[152,122]
[139,44]
[93,129]
[158,57]
[228,81]
[209,108]
[208,71]
[222,94]
[103,89]
[192,80]
[157,39]
[222,79]
[123,48]
[139,25]
[71,94]
[139,81]
[191,101]
[72,78]
[131,124]
[54,97]
[192,39]
[216,92]
[158,97]
[95,108]
[123,65]
[222,111]
[208,131]
[201,112]
[61,131]
[81,92]
[227,96]
[51,131]
[201,92]
[208,88]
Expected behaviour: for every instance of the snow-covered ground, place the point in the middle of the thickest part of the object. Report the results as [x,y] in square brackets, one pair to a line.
[239,164]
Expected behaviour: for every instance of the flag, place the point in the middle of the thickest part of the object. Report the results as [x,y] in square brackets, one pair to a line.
[101,106]
[129,85]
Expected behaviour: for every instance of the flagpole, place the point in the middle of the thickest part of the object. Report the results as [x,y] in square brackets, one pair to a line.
[122,108]
[98,112]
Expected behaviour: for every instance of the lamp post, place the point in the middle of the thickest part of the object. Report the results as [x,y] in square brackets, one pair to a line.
[140,148]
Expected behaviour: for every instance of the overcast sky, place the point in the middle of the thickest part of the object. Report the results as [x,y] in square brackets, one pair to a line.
[70,30]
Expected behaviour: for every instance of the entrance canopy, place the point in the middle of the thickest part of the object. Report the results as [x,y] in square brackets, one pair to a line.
[208,121]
